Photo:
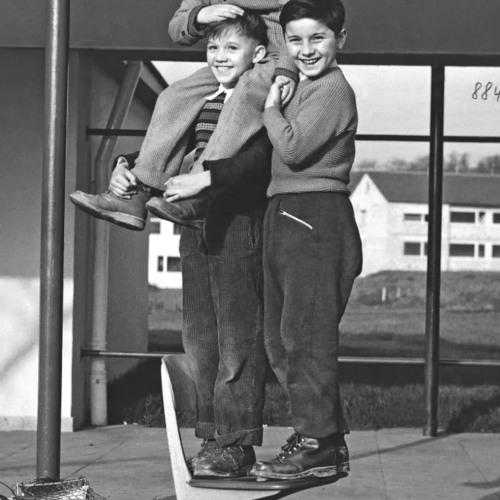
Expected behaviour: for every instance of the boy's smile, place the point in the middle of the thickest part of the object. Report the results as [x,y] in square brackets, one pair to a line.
[312,45]
[231,54]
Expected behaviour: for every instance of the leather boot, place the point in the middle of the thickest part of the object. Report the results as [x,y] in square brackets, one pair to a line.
[206,448]
[189,212]
[128,213]
[225,461]
[306,457]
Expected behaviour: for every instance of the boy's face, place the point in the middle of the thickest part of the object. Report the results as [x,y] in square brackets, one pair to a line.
[231,54]
[312,45]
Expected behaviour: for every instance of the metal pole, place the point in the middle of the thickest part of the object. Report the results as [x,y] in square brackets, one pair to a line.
[98,373]
[52,241]
[434,251]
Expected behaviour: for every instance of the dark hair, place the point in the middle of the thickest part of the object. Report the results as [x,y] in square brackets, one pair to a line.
[249,24]
[330,12]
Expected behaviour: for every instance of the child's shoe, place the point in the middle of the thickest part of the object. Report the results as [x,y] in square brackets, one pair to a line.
[206,448]
[129,213]
[306,457]
[225,461]
[189,212]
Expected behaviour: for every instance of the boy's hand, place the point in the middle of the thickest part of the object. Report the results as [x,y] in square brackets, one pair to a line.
[123,181]
[287,89]
[274,97]
[220,12]
[186,185]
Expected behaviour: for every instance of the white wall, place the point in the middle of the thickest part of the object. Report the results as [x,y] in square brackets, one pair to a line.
[91,94]
[372,211]
[164,244]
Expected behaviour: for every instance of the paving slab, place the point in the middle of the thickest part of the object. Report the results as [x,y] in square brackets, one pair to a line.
[132,462]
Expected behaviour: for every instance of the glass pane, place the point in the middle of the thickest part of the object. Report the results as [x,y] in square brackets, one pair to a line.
[411,248]
[496,218]
[173,264]
[413,217]
[177,228]
[154,227]
[160,264]
[464,217]
[495,252]
[471,109]
[461,250]
[391,99]
[392,156]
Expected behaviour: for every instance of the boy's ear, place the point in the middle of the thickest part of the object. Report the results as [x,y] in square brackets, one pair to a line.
[259,54]
[341,38]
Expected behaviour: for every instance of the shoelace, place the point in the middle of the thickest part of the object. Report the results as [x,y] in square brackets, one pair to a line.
[293,443]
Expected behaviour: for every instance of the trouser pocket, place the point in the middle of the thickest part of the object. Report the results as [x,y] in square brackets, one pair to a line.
[294,218]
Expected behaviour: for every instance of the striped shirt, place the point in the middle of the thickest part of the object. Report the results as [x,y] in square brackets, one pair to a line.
[207,121]
[313,137]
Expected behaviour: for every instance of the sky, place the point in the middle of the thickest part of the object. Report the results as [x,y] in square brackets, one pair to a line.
[396,100]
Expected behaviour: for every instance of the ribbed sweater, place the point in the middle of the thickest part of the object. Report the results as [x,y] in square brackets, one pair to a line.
[313,137]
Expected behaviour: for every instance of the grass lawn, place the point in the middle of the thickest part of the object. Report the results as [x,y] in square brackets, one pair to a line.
[374,396]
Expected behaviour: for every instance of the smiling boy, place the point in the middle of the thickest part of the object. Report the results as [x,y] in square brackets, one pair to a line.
[222,268]
[312,249]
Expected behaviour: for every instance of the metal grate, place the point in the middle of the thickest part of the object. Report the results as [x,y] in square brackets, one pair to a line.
[48,489]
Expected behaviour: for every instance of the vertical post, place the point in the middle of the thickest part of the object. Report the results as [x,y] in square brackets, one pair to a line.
[98,373]
[434,251]
[52,241]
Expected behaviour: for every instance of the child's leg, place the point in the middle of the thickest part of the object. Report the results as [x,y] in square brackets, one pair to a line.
[168,134]
[317,267]
[237,291]
[241,116]
[161,155]
[199,333]
[223,335]
[313,264]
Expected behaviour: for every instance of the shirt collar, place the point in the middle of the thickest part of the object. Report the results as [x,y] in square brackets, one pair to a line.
[219,92]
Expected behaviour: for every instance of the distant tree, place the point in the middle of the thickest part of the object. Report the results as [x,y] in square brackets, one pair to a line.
[457,163]
[365,165]
[398,165]
[489,165]
[421,164]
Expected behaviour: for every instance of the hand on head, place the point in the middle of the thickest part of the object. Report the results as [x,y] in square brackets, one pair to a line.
[216,13]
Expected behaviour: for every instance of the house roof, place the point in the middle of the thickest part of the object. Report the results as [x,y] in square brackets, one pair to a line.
[458,189]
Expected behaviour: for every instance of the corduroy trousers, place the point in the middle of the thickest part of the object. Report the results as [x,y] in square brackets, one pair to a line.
[223,328]
[312,254]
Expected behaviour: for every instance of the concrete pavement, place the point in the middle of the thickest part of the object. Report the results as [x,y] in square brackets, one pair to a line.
[131,462]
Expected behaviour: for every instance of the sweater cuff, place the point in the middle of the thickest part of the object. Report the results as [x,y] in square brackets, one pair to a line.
[270,112]
[219,171]
[194,29]
[286,72]
[129,158]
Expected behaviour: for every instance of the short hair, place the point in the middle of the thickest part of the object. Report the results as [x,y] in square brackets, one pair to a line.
[329,12]
[249,24]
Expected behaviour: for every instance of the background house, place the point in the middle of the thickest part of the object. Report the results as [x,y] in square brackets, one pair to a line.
[164,262]
[391,212]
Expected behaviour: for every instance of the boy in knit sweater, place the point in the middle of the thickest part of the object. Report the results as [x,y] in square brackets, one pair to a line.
[312,248]
[167,139]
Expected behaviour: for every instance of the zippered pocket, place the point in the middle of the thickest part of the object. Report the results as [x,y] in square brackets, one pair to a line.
[290,216]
